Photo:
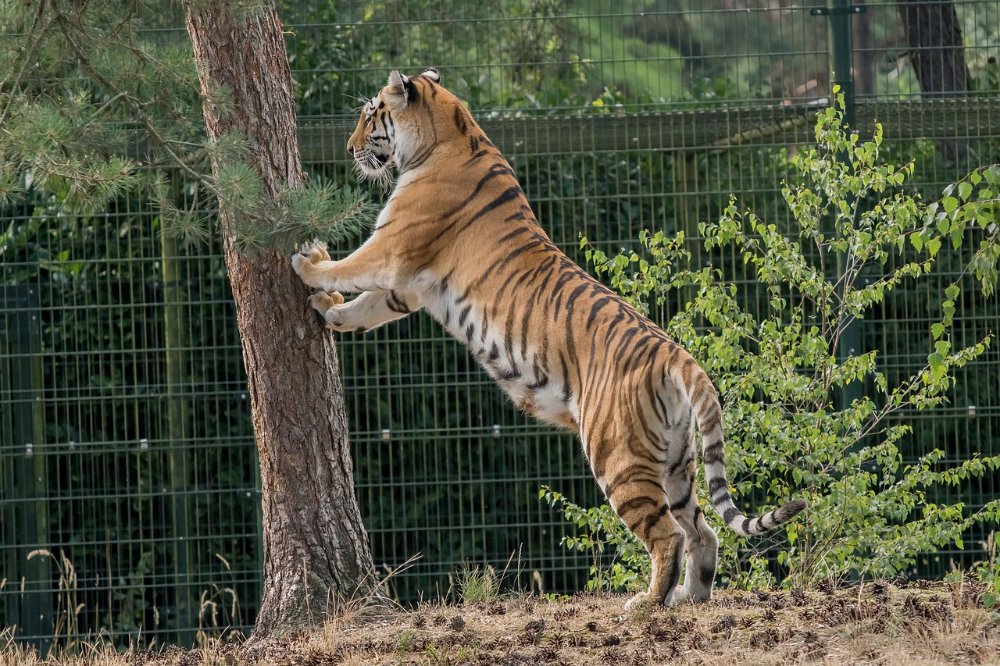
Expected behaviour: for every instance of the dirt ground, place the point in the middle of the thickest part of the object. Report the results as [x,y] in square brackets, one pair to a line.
[876,623]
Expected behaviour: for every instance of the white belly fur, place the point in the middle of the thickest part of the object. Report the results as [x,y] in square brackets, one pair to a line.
[546,402]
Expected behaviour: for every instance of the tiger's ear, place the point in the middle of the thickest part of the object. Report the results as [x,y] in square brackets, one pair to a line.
[400,85]
[432,74]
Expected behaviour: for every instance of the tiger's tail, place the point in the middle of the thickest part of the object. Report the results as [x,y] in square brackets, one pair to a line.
[705,404]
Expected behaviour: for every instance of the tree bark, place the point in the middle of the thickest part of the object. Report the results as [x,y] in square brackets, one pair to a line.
[936,50]
[864,50]
[315,546]
[937,53]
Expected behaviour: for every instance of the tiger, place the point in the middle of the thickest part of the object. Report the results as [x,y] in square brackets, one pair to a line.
[458,239]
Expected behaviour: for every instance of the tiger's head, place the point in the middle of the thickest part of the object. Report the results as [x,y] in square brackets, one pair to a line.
[397,126]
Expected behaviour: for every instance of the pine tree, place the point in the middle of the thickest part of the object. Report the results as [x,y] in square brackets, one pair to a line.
[92,110]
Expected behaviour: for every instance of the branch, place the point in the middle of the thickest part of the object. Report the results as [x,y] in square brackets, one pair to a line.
[133,103]
[28,54]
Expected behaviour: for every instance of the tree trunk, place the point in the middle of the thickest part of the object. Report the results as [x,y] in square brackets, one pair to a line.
[937,54]
[864,52]
[935,46]
[315,545]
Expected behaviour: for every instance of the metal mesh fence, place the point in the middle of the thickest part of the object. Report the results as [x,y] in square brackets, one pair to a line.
[127,465]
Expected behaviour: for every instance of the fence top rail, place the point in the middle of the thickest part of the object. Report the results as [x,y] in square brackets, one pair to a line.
[322,138]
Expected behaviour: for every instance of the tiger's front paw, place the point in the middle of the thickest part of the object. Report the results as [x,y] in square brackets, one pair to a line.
[308,255]
[314,251]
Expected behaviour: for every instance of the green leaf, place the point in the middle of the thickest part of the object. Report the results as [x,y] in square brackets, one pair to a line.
[964,190]
[957,234]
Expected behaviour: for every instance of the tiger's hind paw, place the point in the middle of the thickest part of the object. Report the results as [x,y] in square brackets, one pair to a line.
[682,596]
[321,301]
[326,306]
[639,602]
[646,600]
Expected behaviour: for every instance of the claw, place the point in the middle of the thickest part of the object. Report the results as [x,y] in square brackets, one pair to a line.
[308,246]
[313,251]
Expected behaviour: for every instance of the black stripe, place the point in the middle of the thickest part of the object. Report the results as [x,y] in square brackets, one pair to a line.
[706,576]
[534,386]
[509,194]
[713,453]
[682,462]
[635,503]
[396,304]
[508,375]
[567,390]
[491,173]
[595,308]
[711,422]
[525,321]
[463,314]
[475,157]
[627,476]
[460,121]
[682,504]
[412,94]
[652,519]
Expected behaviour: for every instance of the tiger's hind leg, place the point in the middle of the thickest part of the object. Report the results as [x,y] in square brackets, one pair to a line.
[369,310]
[701,545]
[642,506]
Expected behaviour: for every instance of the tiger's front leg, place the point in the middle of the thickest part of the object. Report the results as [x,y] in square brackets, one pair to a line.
[369,310]
[365,269]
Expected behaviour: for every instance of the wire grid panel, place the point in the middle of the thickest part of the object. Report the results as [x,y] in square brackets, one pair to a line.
[126,442]
[128,406]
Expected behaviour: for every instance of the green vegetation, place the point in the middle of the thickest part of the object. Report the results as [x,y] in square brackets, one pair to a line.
[775,349]
[478,584]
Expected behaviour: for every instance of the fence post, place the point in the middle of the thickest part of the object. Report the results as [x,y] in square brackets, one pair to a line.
[175,344]
[842,52]
[838,14]
[24,506]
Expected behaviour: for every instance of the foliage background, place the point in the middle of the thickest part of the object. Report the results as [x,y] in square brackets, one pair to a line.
[125,441]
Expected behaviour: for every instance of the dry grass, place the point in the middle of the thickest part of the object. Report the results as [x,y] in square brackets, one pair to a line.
[877,623]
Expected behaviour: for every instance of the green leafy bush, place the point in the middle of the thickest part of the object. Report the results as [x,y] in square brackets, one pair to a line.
[806,416]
